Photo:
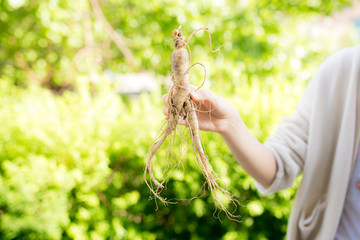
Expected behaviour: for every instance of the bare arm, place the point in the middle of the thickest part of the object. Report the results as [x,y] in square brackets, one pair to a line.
[257,160]
[217,115]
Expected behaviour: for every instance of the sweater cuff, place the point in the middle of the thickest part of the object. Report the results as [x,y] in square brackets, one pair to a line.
[275,185]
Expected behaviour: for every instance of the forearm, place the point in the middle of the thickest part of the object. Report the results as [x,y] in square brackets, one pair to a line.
[257,160]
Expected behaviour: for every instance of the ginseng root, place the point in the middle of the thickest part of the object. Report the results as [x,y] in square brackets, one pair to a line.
[182,107]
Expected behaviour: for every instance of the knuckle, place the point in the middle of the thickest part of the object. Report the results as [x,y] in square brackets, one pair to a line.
[165,98]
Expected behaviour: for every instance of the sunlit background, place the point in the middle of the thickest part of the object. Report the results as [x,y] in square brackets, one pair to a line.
[80,104]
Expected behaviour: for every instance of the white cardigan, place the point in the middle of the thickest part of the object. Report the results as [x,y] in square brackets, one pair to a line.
[319,141]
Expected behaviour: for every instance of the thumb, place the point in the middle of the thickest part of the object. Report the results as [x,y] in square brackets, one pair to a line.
[203,98]
[194,96]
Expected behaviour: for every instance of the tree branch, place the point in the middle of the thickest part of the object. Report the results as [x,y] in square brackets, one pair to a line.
[113,34]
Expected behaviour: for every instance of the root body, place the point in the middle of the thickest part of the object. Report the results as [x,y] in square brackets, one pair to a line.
[182,107]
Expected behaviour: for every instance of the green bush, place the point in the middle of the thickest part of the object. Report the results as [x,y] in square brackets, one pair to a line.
[72,168]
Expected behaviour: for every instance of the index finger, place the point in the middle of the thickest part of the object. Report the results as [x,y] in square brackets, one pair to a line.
[170,85]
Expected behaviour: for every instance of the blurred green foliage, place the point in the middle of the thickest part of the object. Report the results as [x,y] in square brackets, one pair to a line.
[72,151]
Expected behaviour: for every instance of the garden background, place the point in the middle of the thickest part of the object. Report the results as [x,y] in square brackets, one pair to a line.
[80,103]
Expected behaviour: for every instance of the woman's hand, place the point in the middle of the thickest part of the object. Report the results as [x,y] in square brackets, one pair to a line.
[214,112]
[217,115]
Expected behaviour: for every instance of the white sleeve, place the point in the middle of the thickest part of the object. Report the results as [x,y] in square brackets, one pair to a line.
[289,143]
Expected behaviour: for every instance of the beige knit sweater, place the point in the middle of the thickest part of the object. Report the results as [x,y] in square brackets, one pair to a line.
[320,141]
